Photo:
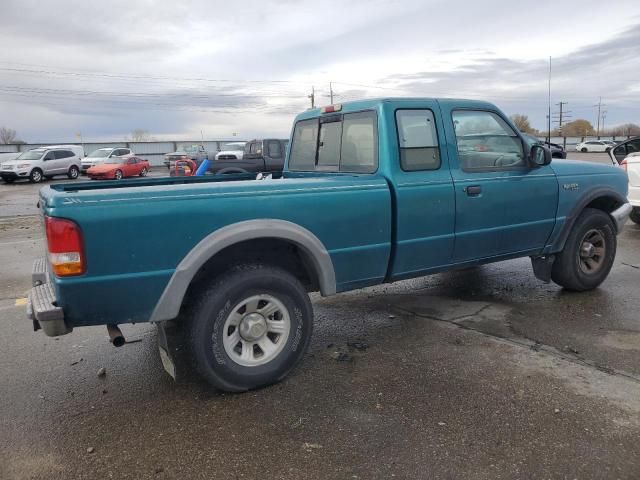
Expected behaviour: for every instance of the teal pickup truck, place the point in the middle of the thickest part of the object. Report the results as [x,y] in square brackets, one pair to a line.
[373,191]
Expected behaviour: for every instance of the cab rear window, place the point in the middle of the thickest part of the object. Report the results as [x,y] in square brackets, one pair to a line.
[336,143]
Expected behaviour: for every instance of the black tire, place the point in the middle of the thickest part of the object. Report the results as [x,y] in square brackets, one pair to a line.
[584,150]
[36,175]
[207,315]
[570,269]
[73,173]
[635,215]
[8,180]
[607,149]
[118,175]
[143,172]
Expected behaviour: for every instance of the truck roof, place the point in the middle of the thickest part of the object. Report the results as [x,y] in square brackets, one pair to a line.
[372,103]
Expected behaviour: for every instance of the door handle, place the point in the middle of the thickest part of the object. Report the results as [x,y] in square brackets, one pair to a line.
[473,190]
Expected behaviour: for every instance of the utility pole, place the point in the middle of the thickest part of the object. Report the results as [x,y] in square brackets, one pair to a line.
[549,105]
[599,105]
[331,93]
[562,116]
[604,115]
[312,96]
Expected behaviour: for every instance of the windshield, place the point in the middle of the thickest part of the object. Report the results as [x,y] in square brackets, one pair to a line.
[190,149]
[31,155]
[101,153]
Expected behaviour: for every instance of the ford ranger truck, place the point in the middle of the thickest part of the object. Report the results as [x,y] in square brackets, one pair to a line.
[373,191]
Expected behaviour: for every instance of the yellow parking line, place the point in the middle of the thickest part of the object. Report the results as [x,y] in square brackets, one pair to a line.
[20,302]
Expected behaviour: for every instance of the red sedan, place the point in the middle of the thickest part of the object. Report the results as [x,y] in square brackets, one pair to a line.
[120,168]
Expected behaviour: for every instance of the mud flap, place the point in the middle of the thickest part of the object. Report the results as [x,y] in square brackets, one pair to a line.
[168,345]
[542,267]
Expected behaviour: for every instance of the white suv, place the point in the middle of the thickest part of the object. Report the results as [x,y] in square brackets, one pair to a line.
[44,162]
[104,155]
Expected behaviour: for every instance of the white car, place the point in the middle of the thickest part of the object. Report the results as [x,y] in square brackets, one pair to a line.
[44,162]
[632,165]
[232,151]
[593,146]
[102,155]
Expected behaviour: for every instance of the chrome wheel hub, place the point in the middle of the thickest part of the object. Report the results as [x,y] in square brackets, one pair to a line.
[591,255]
[256,330]
[252,327]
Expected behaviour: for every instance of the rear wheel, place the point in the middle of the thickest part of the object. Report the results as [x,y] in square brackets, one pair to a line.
[588,253]
[35,176]
[73,172]
[250,327]
[635,215]
[118,175]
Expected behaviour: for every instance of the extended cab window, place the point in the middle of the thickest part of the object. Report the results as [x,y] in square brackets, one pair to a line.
[274,149]
[417,140]
[485,141]
[344,142]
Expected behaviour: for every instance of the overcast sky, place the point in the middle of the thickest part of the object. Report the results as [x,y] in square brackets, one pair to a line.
[246,68]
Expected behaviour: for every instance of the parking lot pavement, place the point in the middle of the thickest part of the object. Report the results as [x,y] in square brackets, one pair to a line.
[484,373]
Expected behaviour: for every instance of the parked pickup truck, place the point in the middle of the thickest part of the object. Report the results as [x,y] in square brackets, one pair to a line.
[258,156]
[372,191]
[197,153]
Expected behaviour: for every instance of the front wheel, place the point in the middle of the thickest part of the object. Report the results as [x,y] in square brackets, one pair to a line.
[144,172]
[36,176]
[588,253]
[584,150]
[250,327]
[118,175]
[635,215]
[73,172]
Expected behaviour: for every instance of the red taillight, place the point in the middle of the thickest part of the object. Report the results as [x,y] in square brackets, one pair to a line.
[64,242]
[623,164]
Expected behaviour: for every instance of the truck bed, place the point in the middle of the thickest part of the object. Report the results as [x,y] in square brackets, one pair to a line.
[136,232]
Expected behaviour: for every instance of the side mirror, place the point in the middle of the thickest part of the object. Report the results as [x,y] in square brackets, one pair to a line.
[539,156]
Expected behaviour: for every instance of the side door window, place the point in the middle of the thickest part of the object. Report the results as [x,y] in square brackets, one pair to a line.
[633,146]
[486,142]
[620,152]
[274,150]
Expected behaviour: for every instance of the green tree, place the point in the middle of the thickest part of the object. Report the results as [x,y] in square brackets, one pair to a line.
[578,128]
[522,123]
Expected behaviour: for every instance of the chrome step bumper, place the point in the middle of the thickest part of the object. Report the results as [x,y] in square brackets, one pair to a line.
[41,304]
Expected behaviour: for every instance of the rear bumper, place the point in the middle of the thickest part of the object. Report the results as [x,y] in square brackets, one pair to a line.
[621,215]
[42,306]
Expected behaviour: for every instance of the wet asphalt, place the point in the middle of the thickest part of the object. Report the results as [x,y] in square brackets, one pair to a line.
[485,373]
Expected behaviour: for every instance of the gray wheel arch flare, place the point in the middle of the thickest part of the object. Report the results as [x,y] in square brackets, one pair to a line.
[170,302]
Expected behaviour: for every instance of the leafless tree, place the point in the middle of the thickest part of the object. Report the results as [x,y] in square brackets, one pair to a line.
[7,135]
[140,135]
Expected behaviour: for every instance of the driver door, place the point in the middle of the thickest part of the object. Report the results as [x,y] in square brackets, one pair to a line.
[503,205]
